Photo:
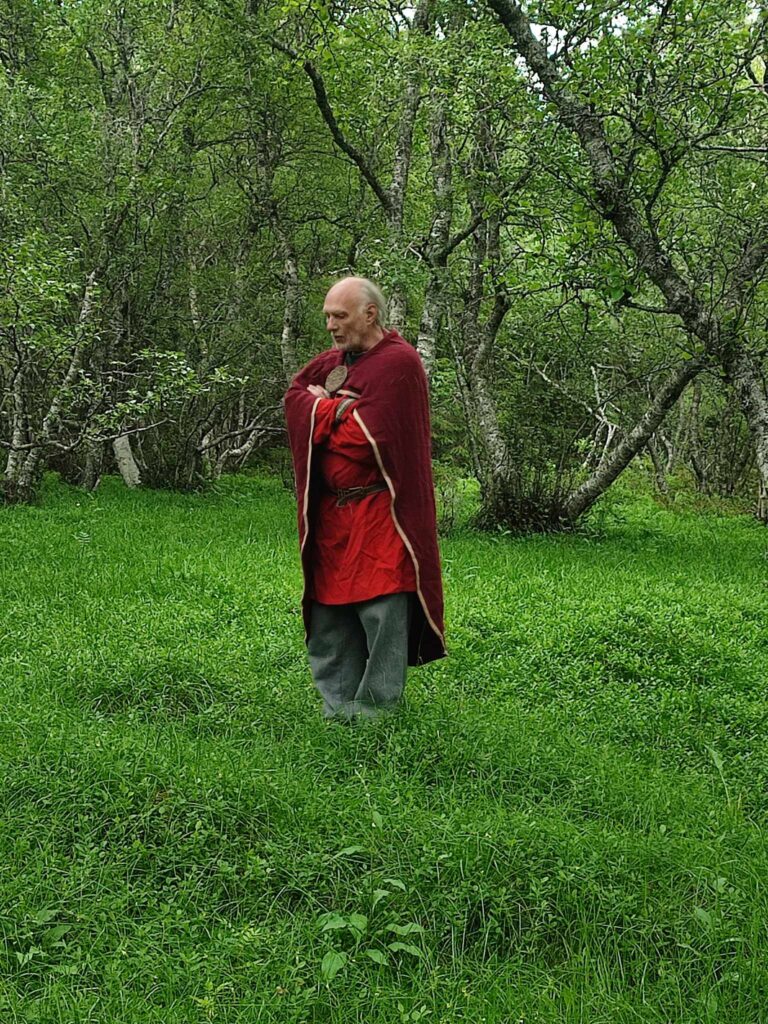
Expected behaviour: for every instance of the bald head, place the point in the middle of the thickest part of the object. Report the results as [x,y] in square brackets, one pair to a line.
[355,312]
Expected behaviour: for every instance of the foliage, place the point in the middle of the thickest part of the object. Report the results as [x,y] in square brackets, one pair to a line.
[185,156]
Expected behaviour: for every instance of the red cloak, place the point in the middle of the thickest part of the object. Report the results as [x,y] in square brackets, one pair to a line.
[392,408]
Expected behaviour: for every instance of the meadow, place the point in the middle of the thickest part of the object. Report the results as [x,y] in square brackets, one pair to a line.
[564,825]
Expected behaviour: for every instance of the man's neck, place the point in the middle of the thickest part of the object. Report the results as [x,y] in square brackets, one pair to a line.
[352,356]
[375,337]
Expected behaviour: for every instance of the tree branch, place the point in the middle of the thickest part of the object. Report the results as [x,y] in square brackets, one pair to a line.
[482,215]
[634,440]
[324,105]
[612,199]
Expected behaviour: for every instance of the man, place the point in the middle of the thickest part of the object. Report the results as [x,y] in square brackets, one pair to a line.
[358,424]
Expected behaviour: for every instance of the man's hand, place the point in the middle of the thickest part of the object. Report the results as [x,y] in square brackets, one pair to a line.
[318,391]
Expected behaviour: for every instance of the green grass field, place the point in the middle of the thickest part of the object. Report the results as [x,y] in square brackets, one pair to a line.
[565,824]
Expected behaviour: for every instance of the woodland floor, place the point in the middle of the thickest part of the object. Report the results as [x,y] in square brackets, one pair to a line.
[566,824]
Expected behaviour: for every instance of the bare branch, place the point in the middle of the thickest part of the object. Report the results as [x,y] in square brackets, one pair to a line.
[324,105]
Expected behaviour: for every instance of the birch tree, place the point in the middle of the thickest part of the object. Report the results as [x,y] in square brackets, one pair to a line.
[688,121]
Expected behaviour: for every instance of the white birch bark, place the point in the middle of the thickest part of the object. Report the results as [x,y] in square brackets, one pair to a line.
[392,199]
[398,303]
[633,441]
[291,312]
[18,416]
[752,397]
[20,486]
[265,173]
[633,226]
[193,269]
[242,452]
[126,462]
[434,310]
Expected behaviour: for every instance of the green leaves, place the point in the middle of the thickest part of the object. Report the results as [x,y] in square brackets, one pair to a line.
[704,917]
[365,943]
[355,924]
[406,929]
[333,961]
[412,950]
[350,851]
[379,894]
[334,922]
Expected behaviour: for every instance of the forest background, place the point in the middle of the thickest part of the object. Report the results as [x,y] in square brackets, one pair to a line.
[566,206]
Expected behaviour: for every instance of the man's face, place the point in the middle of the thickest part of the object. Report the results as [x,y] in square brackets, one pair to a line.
[347,319]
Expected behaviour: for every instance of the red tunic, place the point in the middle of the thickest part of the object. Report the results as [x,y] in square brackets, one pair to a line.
[357,553]
[391,408]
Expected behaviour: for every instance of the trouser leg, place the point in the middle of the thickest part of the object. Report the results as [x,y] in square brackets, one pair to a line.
[337,650]
[358,654]
[385,621]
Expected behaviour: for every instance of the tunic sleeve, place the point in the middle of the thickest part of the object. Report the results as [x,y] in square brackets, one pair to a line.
[330,414]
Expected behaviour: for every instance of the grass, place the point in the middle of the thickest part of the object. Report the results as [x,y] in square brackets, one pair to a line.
[565,824]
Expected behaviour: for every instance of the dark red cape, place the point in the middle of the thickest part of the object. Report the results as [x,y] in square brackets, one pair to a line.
[392,408]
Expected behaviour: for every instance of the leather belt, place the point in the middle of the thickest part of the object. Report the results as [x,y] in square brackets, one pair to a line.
[346,494]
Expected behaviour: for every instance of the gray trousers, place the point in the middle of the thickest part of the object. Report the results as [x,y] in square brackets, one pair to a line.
[358,654]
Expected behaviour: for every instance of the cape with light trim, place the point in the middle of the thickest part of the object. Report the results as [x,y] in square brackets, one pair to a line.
[392,408]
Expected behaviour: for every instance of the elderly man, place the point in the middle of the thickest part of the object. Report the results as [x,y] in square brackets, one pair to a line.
[358,423]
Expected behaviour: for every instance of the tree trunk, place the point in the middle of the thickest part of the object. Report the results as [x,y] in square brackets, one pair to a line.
[126,463]
[696,454]
[435,295]
[494,460]
[464,395]
[398,303]
[21,485]
[745,378]
[392,199]
[633,441]
[241,453]
[90,477]
[18,432]
[200,345]
[613,197]
[762,503]
[291,313]
[496,480]
[432,318]
[658,468]
[265,199]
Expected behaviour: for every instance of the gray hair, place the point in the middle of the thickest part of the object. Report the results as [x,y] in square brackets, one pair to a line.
[374,296]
